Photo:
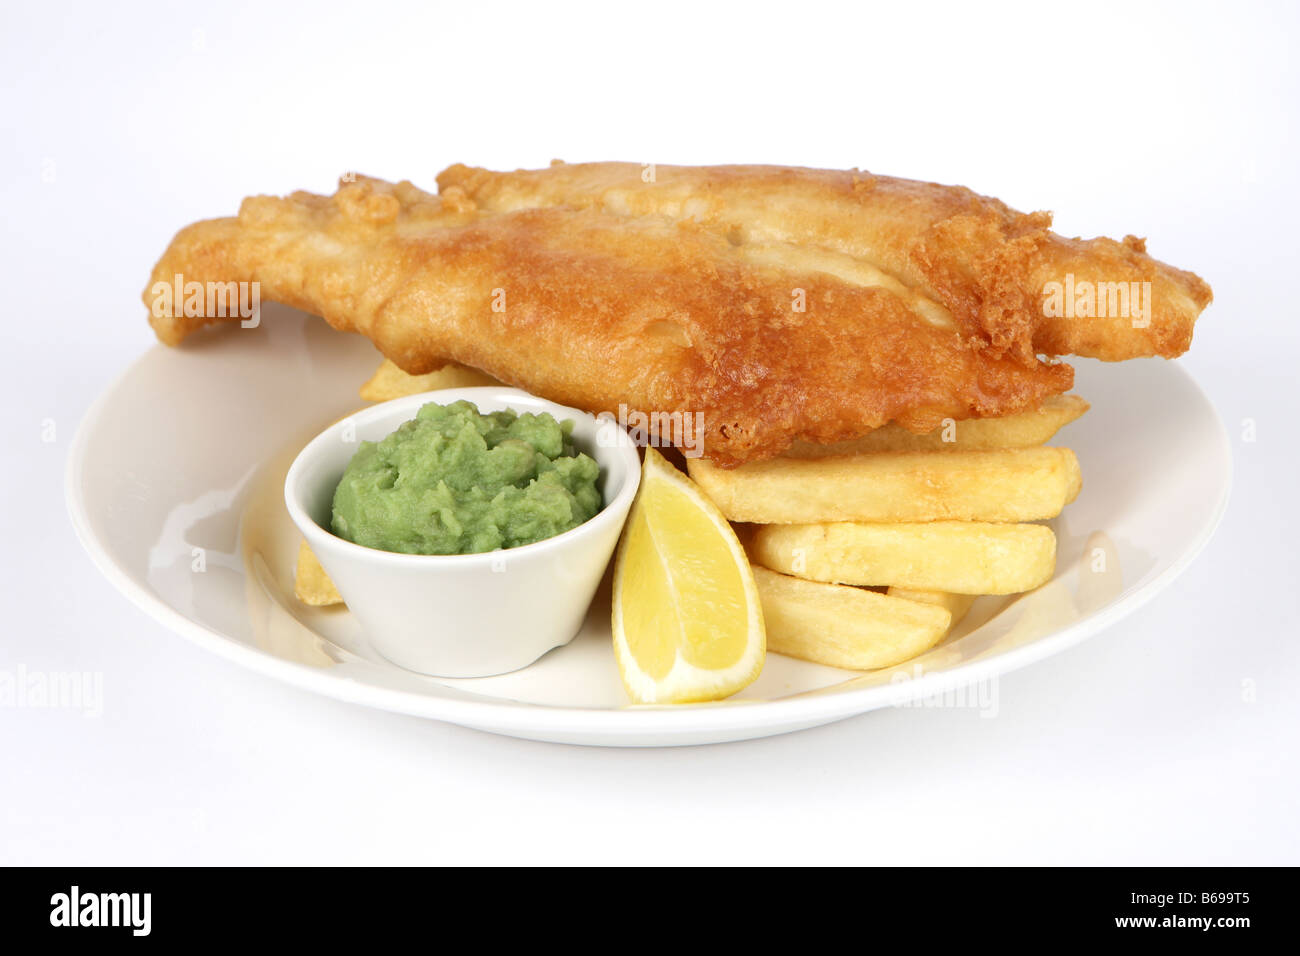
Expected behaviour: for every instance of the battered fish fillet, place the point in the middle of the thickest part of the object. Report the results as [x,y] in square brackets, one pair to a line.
[960,256]
[592,292]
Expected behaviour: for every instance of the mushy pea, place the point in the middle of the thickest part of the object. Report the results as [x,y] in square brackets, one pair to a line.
[454,481]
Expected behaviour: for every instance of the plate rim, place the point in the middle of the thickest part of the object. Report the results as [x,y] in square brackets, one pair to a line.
[502,715]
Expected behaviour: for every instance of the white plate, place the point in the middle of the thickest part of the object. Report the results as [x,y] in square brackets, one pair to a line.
[175,489]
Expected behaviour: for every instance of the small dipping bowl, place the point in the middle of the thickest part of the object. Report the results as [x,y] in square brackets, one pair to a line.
[465,615]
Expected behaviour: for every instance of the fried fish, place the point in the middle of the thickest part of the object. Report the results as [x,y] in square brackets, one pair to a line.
[781,305]
[953,254]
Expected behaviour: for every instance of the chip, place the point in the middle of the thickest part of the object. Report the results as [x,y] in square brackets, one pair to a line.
[311,584]
[389,381]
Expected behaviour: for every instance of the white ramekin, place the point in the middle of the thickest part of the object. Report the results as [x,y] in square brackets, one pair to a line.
[465,615]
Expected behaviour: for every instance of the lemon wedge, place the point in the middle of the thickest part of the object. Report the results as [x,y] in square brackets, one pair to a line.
[688,625]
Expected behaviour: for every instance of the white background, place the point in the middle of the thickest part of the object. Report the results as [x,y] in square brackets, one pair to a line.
[1175,122]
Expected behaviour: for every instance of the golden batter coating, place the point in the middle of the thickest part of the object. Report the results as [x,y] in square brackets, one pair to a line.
[598,311]
[799,317]
[962,256]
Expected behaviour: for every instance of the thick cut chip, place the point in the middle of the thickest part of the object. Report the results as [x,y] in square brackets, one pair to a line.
[1021,430]
[845,626]
[389,381]
[311,584]
[956,604]
[966,557]
[1021,484]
